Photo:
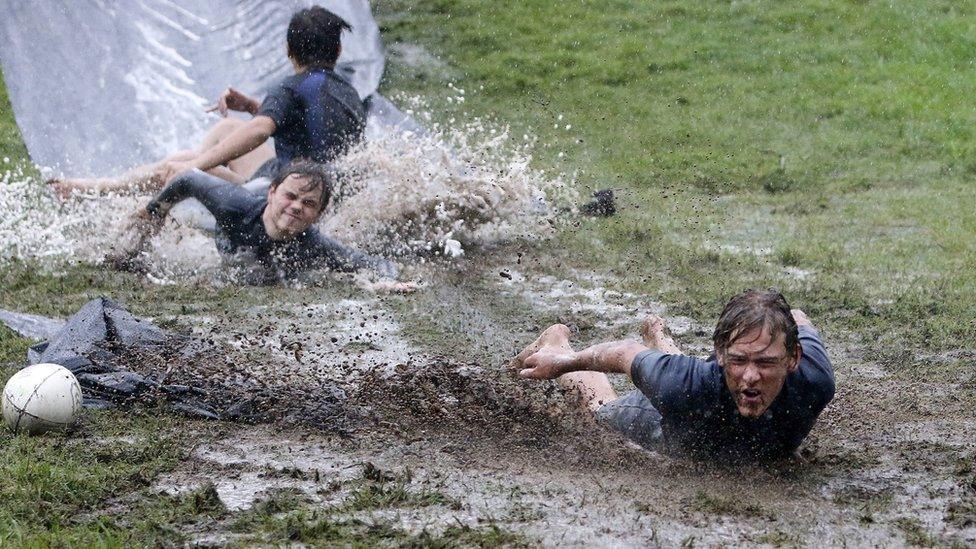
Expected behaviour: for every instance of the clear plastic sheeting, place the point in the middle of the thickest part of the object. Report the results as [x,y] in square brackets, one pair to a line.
[98,86]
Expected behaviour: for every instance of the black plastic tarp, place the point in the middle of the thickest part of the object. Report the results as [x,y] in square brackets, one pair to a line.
[121,360]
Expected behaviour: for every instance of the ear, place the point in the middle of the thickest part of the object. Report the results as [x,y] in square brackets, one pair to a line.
[339,52]
[271,191]
[796,359]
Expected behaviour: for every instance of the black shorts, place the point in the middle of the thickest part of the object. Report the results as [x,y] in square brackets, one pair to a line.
[635,417]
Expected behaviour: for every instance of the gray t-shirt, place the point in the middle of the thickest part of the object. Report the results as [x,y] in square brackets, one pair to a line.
[699,415]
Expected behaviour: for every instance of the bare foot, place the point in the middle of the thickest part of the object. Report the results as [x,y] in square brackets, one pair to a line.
[556,335]
[655,337]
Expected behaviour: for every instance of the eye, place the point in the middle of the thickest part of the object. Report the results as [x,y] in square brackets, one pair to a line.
[291,196]
[309,203]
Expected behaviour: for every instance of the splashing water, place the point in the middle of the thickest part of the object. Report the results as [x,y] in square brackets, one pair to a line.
[438,193]
[401,194]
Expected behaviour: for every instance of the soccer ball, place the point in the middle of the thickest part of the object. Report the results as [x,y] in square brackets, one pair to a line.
[41,398]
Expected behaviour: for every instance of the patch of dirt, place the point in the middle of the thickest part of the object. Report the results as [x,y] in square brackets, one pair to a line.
[889,462]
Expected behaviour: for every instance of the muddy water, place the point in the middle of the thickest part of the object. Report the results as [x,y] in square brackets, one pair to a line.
[884,466]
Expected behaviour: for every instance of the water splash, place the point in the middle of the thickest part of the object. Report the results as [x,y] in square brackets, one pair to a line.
[438,193]
[402,194]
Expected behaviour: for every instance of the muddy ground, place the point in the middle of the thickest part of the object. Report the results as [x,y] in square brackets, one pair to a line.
[436,416]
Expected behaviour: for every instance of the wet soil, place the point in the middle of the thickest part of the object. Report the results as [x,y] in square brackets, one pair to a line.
[888,463]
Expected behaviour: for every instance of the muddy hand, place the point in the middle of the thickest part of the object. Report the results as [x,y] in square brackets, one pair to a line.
[652,331]
[550,350]
[549,362]
[141,226]
[801,318]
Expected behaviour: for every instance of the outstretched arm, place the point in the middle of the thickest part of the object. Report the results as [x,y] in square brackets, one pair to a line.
[339,257]
[214,193]
[211,191]
[550,356]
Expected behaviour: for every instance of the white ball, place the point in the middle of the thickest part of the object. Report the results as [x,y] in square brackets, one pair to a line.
[40,398]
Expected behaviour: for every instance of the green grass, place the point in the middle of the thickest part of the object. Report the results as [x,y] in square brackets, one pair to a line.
[833,139]
[13,153]
[58,489]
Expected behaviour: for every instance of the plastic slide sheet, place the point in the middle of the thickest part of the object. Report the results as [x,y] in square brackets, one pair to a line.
[98,86]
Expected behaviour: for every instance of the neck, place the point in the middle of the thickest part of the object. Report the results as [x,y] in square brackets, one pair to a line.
[302,69]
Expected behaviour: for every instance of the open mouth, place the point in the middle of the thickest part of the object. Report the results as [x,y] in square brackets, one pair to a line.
[751,395]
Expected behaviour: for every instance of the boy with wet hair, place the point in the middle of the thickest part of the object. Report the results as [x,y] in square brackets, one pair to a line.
[755,399]
[315,115]
[274,231]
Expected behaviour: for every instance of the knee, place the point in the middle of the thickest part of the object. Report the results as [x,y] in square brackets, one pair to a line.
[227,125]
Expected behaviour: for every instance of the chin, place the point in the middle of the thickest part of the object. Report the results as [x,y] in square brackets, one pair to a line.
[751,412]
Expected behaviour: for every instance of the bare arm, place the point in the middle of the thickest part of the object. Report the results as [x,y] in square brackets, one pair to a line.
[550,362]
[240,142]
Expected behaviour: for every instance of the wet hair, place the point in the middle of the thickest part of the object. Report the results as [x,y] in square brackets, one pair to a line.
[313,37]
[753,309]
[316,176]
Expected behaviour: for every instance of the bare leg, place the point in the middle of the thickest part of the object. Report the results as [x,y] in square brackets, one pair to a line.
[654,336]
[149,176]
[140,178]
[245,165]
[593,388]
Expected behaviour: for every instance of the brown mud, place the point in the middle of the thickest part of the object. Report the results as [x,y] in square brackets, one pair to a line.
[888,463]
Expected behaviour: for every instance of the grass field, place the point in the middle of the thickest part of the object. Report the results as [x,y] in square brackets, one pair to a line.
[822,147]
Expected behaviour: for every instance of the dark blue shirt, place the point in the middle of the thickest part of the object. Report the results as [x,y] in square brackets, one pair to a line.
[240,229]
[317,116]
[699,414]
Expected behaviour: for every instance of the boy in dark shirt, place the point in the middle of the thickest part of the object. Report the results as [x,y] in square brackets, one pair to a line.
[275,230]
[315,115]
[756,398]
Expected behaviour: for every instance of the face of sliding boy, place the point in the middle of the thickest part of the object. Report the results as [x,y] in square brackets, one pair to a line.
[755,367]
[293,206]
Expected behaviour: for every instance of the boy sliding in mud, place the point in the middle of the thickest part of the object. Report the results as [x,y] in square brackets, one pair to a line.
[756,398]
[274,231]
[315,114]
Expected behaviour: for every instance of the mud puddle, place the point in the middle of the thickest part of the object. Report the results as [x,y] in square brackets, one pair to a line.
[885,464]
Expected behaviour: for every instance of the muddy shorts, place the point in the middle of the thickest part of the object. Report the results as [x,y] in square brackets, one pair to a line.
[634,417]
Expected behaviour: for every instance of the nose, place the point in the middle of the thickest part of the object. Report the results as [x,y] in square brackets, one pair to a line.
[751,375]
